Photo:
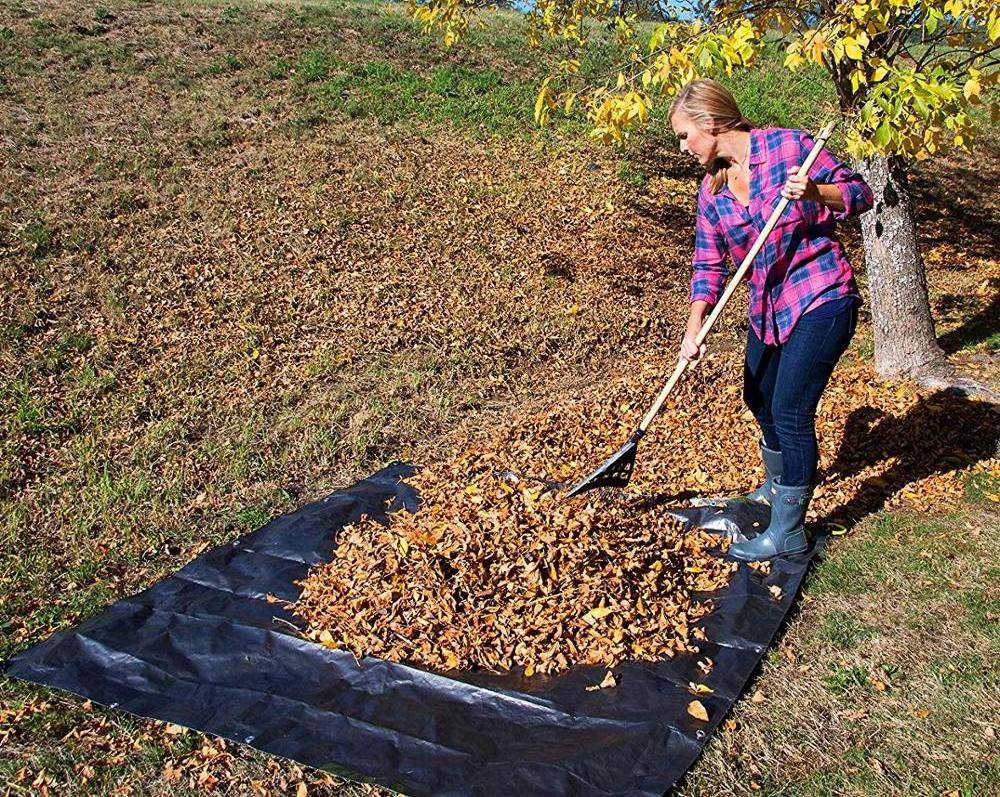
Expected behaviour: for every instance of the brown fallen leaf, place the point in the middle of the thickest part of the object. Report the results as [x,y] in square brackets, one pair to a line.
[697,710]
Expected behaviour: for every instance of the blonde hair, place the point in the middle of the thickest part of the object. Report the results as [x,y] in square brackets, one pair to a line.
[712,107]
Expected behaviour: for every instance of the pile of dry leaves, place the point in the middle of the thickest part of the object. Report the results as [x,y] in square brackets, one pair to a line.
[497,571]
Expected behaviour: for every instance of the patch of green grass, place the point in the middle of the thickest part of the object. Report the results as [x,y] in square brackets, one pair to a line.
[843,630]
[983,487]
[771,96]
[40,238]
[251,517]
[234,14]
[312,66]
[103,14]
[59,357]
[26,413]
[229,63]
[966,670]
[631,176]
[469,99]
[876,559]
[279,69]
[842,680]
[982,608]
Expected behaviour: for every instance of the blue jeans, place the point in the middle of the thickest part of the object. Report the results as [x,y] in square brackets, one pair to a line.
[782,385]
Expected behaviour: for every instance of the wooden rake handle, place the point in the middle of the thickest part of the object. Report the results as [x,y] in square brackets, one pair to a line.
[821,140]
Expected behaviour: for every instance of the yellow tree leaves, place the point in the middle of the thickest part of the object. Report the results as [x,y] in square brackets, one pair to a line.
[906,71]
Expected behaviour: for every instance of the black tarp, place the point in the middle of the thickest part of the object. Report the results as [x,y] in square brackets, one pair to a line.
[206,650]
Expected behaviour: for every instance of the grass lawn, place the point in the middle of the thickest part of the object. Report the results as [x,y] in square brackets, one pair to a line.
[251,252]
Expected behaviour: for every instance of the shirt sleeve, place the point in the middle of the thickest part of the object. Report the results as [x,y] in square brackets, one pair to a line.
[708,266]
[857,195]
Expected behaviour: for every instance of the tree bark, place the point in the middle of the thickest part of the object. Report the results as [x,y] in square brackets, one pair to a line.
[905,342]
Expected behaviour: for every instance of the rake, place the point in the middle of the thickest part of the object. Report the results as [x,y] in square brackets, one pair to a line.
[616,471]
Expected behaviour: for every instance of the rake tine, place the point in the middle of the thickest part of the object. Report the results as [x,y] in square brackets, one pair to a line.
[615,471]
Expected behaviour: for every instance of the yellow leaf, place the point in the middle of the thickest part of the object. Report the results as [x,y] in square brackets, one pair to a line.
[301,791]
[542,102]
[326,640]
[852,48]
[697,710]
[700,689]
[597,613]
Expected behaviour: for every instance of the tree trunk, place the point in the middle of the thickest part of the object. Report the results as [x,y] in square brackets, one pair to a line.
[905,343]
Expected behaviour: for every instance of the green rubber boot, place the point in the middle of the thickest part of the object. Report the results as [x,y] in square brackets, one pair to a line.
[762,495]
[786,534]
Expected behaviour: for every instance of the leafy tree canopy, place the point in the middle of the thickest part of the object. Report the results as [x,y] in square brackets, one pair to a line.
[906,71]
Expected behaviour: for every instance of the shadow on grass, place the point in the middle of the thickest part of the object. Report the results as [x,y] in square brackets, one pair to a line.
[950,209]
[983,327]
[943,432]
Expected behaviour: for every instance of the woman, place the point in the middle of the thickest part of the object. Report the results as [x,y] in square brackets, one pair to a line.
[803,298]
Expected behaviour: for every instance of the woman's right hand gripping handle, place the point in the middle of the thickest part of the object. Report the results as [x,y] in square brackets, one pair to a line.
[690,351]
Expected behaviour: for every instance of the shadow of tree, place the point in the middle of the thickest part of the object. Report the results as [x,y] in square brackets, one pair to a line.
[952,208]
[943,432]
[957,209]
[982,326]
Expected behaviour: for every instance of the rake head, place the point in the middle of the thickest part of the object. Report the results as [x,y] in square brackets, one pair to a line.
[615,471]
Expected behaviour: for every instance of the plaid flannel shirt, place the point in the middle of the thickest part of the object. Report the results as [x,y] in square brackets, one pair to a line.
[802,265]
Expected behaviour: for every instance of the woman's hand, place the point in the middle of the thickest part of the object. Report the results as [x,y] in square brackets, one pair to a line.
[689,350]
[800,186]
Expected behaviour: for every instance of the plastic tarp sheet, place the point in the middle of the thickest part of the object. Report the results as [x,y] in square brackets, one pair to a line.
[206,650]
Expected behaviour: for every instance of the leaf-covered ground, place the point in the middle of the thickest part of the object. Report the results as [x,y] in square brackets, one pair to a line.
[251,252]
